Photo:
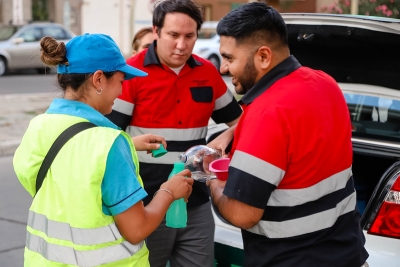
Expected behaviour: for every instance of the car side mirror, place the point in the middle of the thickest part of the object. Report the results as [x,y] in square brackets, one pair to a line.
[18,40]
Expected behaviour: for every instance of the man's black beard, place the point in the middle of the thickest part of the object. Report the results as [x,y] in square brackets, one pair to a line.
[247,80]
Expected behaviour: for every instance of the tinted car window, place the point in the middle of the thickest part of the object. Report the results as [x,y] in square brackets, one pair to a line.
[31,35]
[374,117]
[55,32]
[7,31]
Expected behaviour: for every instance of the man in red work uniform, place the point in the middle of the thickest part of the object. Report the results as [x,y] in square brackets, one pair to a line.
[290,187]
[176,100]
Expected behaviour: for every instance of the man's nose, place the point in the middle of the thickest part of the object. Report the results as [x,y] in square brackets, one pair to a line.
[224,67]
[181,44]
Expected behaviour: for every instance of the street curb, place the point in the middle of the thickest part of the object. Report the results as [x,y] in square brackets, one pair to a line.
[8,147]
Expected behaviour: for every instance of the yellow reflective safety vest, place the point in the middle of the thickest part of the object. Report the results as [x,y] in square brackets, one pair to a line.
[66,224]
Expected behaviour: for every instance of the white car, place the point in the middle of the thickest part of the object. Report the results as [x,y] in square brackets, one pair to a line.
[207,44]
[20,45]
[361,53]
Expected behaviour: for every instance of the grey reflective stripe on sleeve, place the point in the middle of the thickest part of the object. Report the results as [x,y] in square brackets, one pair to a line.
[257,167]
[307,224]
[86,258]
[123,106]
[170,134]
[168,158]
[294,197]
[223,100]
[78,236]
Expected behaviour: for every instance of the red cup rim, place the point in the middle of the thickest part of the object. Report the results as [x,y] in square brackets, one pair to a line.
[218,160]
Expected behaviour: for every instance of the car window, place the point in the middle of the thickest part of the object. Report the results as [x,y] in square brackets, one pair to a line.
[31,35]
[7,31]
[374,116]
[56,32]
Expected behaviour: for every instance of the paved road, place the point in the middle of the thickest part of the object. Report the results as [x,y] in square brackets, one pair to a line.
[28,83]
[14,205]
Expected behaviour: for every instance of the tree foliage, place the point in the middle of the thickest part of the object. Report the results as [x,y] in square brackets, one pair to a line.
[40,10]
[380,8]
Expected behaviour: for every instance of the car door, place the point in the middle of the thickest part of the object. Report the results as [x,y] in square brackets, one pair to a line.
[25,52]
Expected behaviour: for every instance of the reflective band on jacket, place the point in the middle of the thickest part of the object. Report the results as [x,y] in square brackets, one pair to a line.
[307,224]
[170,134]
[86,258]
[257,167]
[295,197]
[224,100]
[123,106]
[78,236]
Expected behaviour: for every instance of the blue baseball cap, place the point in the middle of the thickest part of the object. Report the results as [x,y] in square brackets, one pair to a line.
[91,52]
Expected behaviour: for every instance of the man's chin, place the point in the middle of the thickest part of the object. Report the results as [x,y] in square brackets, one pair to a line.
[239,90]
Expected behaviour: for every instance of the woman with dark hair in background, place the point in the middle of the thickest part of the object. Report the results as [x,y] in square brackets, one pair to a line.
[142,40]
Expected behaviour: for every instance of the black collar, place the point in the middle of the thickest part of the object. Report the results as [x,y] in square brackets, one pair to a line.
[151,57]
[279,71]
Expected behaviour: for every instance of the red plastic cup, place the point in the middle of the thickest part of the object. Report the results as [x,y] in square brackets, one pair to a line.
[220,168]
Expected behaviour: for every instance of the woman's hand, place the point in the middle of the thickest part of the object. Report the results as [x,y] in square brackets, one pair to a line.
[148,142]
[180,185]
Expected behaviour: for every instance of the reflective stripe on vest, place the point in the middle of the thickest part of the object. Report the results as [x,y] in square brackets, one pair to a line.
[68,227]
[87,258]
[78,236]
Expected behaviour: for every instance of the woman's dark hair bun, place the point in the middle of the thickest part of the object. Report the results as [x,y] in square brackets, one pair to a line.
[52,53]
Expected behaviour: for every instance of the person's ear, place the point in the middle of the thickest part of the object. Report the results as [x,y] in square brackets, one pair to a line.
[155,33]
[134,52]
[264,55]
[98,79]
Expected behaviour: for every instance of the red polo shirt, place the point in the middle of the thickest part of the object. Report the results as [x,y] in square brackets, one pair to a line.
[177,107]
[292,157]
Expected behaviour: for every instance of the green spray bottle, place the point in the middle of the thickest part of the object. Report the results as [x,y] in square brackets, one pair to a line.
[177,213]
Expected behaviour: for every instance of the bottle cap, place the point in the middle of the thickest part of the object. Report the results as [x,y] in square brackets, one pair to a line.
[161,151]
[182,158]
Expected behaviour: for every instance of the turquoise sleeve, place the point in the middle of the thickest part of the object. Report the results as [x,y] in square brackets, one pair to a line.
[120,187]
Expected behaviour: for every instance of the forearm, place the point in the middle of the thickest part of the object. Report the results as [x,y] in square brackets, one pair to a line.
[234,211]
[155,212]
[238,213]
[138,222]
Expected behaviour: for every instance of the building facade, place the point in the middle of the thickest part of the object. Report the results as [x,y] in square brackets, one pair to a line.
[121,19]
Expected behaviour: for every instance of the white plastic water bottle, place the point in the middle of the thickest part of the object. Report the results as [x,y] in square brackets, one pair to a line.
[197,160]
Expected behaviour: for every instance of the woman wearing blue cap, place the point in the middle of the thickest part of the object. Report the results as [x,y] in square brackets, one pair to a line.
[82,170]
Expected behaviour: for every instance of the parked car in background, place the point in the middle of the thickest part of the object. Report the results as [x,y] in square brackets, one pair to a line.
[207,44]
[361,54]
[20,45]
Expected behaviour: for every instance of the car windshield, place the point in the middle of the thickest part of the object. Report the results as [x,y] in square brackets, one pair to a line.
[7,31]
[375,117]
[206,33]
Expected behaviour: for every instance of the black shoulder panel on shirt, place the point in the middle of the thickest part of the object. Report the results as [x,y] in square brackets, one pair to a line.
[254,192]
[228,113]
[119,119]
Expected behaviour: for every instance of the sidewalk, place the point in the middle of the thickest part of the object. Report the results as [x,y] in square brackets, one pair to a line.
[16,110]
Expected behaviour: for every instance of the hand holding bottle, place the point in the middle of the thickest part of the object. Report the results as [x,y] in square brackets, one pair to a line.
[180,185]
